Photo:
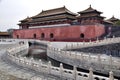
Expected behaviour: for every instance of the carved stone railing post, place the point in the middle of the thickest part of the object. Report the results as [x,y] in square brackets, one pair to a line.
[32,63]
[97,40]
[61,70]
[89,58]
[72,46]
[111,77]
[25,64]
[57,50]
[110,61]
[90,42]
[40,64]
[66,47]
[77,45]
[83,43]
[75,55]
[81,58]
[70,54]
[99,61]
[75,73]
[22,61]
[54,53]
[90,77]
[113,36]
[49,67]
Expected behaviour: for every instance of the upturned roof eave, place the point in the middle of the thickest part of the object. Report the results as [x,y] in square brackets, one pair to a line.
[54,12]
[81,12]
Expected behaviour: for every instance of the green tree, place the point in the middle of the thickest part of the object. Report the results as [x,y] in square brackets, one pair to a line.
[117,23]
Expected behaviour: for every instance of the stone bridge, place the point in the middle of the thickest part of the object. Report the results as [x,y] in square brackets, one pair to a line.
[63,56]
[99,62]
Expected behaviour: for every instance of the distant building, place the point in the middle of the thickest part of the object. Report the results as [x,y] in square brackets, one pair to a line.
[108,23]
[4,35]
[90,16]
[113,19]
[60,24]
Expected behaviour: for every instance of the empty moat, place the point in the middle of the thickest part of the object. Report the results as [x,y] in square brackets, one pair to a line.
[37,52]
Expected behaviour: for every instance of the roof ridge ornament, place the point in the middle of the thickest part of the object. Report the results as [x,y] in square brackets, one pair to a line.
[113,16]
[90,6]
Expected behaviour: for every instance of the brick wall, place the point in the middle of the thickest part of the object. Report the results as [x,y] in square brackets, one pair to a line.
[66,33]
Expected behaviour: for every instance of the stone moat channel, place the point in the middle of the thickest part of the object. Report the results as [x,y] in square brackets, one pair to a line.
[38,51]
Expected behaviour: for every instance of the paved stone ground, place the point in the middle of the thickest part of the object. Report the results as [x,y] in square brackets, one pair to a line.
[11,71]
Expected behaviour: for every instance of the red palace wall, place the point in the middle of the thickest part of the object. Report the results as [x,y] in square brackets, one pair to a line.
[66,33]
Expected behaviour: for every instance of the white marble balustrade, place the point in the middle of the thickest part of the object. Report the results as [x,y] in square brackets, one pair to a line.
[48,68]
[102,63]
[105,41]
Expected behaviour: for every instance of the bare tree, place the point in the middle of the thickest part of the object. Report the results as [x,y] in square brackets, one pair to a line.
[10,31]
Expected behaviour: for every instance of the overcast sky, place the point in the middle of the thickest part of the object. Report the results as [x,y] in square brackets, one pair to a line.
[11,11]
